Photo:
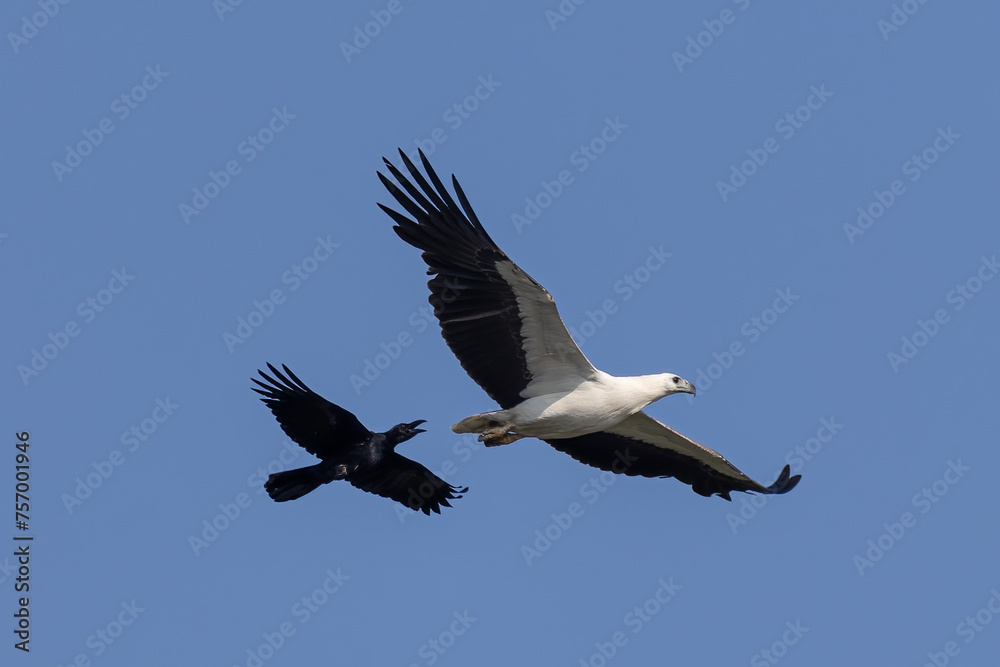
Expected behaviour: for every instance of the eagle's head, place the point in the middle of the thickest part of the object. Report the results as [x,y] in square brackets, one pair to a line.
[675,384]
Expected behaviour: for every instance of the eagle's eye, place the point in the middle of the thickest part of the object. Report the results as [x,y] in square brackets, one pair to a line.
[676,380]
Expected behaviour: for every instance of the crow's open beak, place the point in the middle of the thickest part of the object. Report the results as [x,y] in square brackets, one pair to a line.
[413,426]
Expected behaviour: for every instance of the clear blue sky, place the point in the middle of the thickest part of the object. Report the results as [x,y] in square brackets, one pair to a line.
[169,172]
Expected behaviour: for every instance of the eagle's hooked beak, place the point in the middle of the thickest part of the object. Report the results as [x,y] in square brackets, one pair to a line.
[689,388]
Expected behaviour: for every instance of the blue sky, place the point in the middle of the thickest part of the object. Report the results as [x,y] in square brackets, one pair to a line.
[792,206]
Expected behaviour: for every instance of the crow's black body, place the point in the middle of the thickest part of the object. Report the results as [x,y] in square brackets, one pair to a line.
[348,450]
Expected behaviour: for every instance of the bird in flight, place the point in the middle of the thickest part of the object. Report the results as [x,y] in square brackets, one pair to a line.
[348,450]
[507,334]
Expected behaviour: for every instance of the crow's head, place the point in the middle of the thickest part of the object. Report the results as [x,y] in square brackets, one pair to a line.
[403,432]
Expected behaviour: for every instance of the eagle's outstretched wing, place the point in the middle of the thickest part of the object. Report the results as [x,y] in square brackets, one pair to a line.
[500,323]
[641,445]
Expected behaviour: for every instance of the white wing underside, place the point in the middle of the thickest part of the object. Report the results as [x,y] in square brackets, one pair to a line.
[556,363]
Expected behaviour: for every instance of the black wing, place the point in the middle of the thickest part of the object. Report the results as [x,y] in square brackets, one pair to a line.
[320,427]
[500,323]
[407,482]
[643,446]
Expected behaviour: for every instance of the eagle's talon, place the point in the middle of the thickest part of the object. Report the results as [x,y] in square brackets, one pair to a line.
[498,435]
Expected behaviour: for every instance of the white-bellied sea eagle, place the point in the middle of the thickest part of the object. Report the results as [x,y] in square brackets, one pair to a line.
[506,332]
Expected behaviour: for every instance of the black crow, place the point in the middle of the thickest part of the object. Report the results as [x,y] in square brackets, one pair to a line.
[348,450]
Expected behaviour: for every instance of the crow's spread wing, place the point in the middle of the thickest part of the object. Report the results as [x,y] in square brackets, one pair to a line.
[320,427]
[407,482]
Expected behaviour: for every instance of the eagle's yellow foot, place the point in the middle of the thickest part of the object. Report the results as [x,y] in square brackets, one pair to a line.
[498,435]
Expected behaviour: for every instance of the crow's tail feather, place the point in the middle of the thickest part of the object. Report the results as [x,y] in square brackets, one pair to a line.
[292,484]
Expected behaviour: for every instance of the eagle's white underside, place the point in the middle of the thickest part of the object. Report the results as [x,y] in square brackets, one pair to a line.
[593,405]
